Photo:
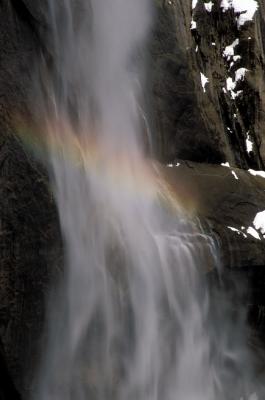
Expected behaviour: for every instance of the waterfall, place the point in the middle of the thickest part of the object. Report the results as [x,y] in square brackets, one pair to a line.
[130,319]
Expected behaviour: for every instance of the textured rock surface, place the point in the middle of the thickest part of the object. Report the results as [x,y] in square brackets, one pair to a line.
[179,126]
[29,257]
[29,237]
[212,124]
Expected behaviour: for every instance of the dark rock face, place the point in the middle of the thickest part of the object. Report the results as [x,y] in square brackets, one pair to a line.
[179,127]
[213,122]
[30,250]
[235,118]
[7,388]
[29,231]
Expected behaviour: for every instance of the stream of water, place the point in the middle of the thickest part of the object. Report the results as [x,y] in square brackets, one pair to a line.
[131,318]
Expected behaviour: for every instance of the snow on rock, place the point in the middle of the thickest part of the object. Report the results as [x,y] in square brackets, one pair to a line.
[236,58]
[259,222]
[194,3]
[232,172]
[246,9]
[257,173]
[249,144]
[208,6]
[204,80]
[173,165]
[230,86]
[251,231]
[237,231]
[193,24]
[229,51]
[235,175]
[240,74]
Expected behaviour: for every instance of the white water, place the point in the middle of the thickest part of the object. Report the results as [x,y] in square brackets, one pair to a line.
[131,319]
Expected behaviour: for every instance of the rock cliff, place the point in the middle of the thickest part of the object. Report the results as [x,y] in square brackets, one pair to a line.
[208,82]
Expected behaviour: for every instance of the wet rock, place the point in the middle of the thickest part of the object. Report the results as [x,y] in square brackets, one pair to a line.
[7,387]
[29,231]
[227,201]
[29,257]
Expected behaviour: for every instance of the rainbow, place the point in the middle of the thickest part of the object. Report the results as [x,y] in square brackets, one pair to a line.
[124,170]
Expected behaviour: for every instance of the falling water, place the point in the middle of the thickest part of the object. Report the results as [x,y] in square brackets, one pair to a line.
[131,317]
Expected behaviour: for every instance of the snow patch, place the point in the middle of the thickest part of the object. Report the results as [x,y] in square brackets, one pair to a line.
[237,231]
[257,173]
[204,80]
[173,165]
[240,74]
[251,231]
[235,175]
[249,144]
[245,8]
[226,164]
[208,6]
[194,4]
[193,25]
[236,58]
[230,86]
[259,222]
[229,51]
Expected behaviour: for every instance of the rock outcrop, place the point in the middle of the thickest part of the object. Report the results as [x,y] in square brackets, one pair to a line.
[213,65]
